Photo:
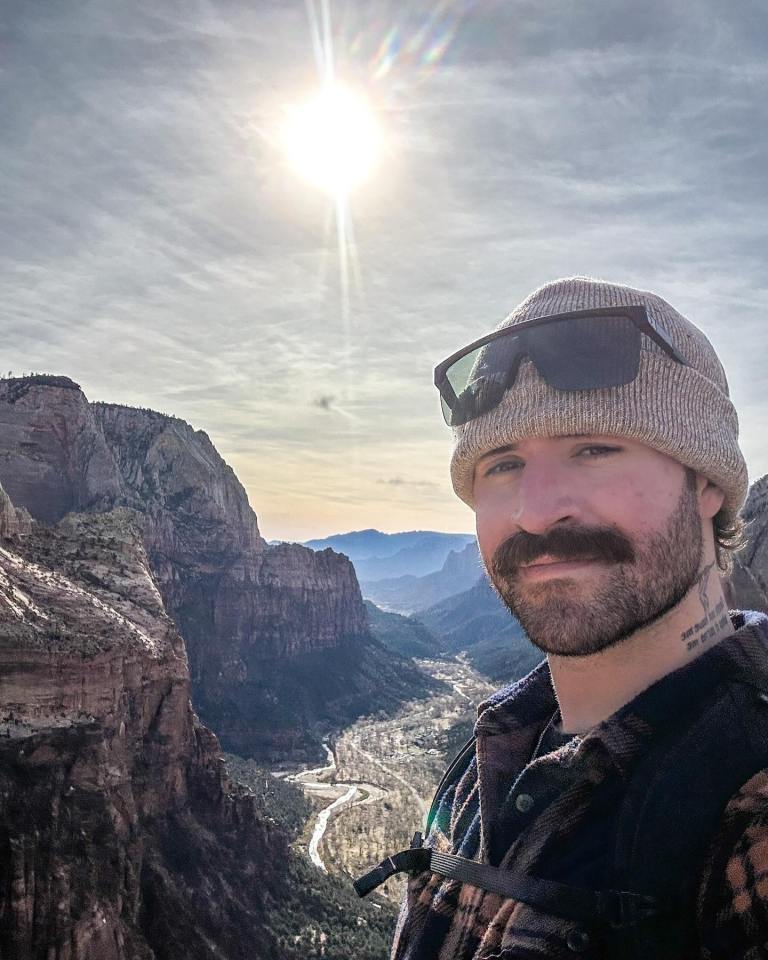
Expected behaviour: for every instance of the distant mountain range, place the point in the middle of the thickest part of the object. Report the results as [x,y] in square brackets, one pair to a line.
[376,555]
[408,594]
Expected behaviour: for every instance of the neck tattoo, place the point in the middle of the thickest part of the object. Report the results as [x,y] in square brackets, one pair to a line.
[703,581]
[713,621]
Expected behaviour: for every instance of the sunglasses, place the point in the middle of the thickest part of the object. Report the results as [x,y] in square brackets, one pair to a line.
[580,350]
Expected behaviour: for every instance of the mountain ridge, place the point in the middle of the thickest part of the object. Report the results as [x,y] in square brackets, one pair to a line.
[408,594]
[478,623]
[382,555]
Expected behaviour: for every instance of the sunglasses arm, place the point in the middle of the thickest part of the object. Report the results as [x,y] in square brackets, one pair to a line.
[447,391]
[661,335]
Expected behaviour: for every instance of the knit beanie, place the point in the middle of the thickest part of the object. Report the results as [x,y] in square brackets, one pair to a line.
[682,411]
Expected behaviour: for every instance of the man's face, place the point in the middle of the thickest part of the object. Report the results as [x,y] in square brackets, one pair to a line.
[587,539]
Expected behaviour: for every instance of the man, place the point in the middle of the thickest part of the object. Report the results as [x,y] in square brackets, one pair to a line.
[614,801]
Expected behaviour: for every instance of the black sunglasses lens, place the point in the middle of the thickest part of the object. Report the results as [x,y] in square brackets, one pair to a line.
[478,380]
[586,353]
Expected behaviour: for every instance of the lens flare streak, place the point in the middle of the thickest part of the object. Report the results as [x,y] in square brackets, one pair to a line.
[423,46]
[335,144]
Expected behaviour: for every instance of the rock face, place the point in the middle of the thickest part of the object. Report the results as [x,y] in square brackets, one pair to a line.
[747,586]
[113,800]
[251,615]
[193,503]
[14,521]
[218,576]
[241,606]
[52,453]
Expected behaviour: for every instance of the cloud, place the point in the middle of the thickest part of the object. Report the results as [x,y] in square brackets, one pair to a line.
[158,250]
[400,482]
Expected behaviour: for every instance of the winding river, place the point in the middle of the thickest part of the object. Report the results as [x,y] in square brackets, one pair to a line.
[341,793]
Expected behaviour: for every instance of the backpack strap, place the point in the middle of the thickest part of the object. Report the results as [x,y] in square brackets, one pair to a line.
[614,908]
[674,803]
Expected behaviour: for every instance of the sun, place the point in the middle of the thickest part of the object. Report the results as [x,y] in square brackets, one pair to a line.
[333,140]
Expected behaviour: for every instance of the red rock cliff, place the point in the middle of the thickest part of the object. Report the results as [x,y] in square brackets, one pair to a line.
[243,607]
[119,836]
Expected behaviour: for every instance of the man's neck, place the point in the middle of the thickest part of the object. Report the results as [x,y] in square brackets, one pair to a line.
[589,689]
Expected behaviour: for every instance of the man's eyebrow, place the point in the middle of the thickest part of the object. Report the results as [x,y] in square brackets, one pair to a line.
[511,447]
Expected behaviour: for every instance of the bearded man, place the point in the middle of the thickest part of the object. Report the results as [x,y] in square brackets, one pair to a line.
[614,802]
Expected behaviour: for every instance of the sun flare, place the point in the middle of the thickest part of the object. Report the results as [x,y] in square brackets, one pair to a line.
[333,140]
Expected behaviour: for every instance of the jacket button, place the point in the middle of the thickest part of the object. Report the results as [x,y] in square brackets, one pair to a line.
[524,802]
[578,940]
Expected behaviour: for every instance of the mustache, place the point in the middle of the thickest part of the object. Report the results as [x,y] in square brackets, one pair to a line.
[605,544]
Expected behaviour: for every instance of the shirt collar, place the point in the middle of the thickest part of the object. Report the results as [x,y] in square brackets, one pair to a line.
[529,702]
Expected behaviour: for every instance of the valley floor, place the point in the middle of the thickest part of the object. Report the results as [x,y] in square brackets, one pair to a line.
[382,773]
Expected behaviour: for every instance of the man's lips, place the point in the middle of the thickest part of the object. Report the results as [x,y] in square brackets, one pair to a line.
[548,558]
[553,566]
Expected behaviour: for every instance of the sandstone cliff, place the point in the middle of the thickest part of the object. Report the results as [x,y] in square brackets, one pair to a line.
[249,613]
[53,454]
[113,801]
[277,637]
[747,586]
[14,521]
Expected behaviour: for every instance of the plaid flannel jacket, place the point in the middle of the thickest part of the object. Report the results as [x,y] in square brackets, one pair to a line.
[559,808]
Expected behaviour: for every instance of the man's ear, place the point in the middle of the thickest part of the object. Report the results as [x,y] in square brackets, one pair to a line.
[711,497]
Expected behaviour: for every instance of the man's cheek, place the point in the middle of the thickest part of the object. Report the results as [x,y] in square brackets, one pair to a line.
[489,537]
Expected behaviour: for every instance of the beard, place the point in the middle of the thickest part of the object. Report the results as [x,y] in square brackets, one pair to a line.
[643,580]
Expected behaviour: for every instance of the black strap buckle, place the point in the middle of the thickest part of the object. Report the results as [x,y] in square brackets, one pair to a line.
[414,860]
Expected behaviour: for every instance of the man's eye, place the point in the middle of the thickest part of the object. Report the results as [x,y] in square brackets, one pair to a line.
[597,451]
[503,466]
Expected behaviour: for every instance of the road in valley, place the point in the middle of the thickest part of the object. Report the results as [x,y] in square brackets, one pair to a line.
[381,774]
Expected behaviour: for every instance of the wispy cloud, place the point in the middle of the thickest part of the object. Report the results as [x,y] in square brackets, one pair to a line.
[400,482]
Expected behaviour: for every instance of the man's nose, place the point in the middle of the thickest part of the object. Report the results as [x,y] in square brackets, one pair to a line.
[543,499]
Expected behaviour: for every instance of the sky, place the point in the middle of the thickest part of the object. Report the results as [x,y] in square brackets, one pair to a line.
[158,247]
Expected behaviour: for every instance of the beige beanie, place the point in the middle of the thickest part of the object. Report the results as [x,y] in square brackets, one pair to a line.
[683,411]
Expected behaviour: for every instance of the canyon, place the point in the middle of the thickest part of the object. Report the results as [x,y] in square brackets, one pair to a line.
[277,637]
[145,626]
[122,835]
